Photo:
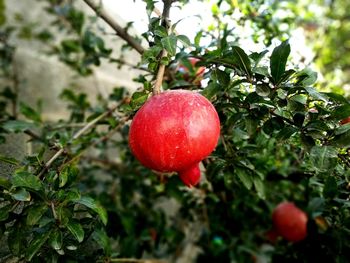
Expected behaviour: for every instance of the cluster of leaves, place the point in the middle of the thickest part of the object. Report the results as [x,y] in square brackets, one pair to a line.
[264,17]
[280,140]
[277,132]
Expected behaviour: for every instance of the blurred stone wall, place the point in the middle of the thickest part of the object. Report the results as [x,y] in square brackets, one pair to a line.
[43,77]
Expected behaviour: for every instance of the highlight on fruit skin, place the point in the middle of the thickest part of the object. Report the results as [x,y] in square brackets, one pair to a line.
[173,131]
[290,222]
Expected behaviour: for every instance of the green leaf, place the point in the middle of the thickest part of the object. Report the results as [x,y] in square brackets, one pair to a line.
[211,90]
[76,229]
[286,133]
[286,76]
[341,140]
[300,98]
[4,183]
[70,46]
[9,160]
[222,77]
[18,126]
[306,77]
[324,158]
[278,61]
[15,239]
[102,239]
[262,71]
[241,60]
[273,124]
[68,196]
[257,57]
[318,125]
[36,244]
[56,239]
[259,187]
[29,112]
[330,189]
[138,98]
[198,37]
[161,32]
[342,129]
[169,43]
[68,174]
[316,95]
[245,177]
[336,97]
[341,112]
[27,180]
[21,195]
[35,213]
[298,119]
[63,214]
[93,205]
[263,90]
[4,212]
[151,53]
[185,40]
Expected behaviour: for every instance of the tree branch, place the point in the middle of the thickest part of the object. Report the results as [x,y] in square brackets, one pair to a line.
[344,160]
[102,139]
[165,22]
[101,12]
[76,136]
[160,74]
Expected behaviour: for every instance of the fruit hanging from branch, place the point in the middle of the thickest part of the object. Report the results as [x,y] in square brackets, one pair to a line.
[196,76]
[173,131]
[290,222]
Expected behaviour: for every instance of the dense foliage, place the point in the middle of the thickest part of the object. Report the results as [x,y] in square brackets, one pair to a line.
[281,139]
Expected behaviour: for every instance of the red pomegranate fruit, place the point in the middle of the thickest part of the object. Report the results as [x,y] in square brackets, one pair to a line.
[290,222]
[173,131]
[345,121]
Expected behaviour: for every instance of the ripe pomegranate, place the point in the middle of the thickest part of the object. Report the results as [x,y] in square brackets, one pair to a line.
[345,121]
[290,222]
[199,71]
[173,131]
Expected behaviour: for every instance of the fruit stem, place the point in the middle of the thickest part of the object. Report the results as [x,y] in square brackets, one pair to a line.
[161,69]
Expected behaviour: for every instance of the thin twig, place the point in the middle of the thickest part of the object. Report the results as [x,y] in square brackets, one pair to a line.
[123,62]
[49,162]
[76,136]
[33,135]
[102,139]
[67,125]
[345,161]
[121,32]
